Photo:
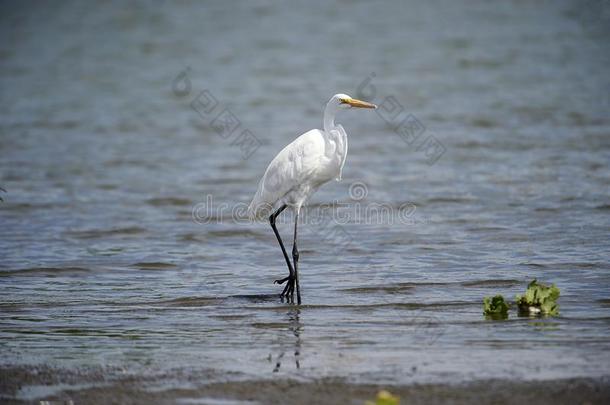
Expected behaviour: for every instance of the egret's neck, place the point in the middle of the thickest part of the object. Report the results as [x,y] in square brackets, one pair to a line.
[329,117]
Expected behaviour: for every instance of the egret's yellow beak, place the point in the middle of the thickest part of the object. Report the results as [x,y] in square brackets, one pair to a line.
[358,103]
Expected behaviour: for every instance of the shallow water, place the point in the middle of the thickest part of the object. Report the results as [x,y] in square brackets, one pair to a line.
[114,254]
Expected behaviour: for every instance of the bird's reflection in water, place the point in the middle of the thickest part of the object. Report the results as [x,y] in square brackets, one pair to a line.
[294,326]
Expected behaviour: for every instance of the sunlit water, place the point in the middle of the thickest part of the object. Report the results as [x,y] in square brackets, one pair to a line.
[105,162]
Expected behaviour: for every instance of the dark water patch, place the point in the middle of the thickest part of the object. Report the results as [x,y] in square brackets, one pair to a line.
[394,305]
[577,265]
[128,162]
[593,320]
[479,63]
[168,201]
[389,289]
[26,207]
[153,265]
[103,233]
[457,43]
[257,298]
[107,186]
[507,237]
[46,124]
[11,307]
[222,181]
[533,264]
[420,242]
[488,229]
[79,332]
[410,286]
[472,144]
[604,302]
[547,209]
[27,318]
[230,233]
[269,325]
[449,200]
[603,207]
[191,301]
[231,317]
[190,237]
[482,122]
[491,283]
[45,271]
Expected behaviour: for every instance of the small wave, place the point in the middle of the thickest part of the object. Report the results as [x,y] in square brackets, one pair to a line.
[481,122]
[235,232]
[107,186]
[389,289]
[507,238]
[490,283]
[223,181]
[257,297]
[231,317]
[605,302]
[449,200]
[48,271]
[533,264]
[477,63]
[547,209]
[566,265]
[488,229]
[190,237]
[472,144]
[153,265]
[101,233]
[269,325]
[395,305]
[408,287]
[191,301]
[10,206]
[169,201]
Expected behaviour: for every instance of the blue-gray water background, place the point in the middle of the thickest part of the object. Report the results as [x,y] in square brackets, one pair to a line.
[104,162]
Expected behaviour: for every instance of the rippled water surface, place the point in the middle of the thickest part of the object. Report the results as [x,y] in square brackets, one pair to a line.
[105,163]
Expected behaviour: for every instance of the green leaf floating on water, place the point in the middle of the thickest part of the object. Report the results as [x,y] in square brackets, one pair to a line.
[539,298]
[495,308]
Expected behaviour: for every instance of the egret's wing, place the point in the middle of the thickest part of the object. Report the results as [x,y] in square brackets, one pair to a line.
[295,164]
[343,135]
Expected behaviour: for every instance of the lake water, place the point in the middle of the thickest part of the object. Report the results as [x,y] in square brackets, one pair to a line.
[117,243]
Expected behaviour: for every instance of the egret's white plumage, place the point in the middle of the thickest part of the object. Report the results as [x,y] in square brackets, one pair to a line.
[298,170]
[309,161]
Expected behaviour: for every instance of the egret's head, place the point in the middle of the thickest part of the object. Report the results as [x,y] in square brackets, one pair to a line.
[344,101]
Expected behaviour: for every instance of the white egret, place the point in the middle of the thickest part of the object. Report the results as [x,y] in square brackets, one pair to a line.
[311,160]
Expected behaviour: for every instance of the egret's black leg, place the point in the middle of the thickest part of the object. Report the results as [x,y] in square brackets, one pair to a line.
[290,278]
[295,256]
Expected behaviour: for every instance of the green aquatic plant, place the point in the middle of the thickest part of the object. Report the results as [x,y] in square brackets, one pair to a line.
[384,398]
[538,299]
[496,307]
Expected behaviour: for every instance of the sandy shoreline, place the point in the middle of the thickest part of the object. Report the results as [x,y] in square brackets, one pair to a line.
[27,385]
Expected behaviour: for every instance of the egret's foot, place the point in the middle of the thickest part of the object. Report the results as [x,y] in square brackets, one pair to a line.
[288,291]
